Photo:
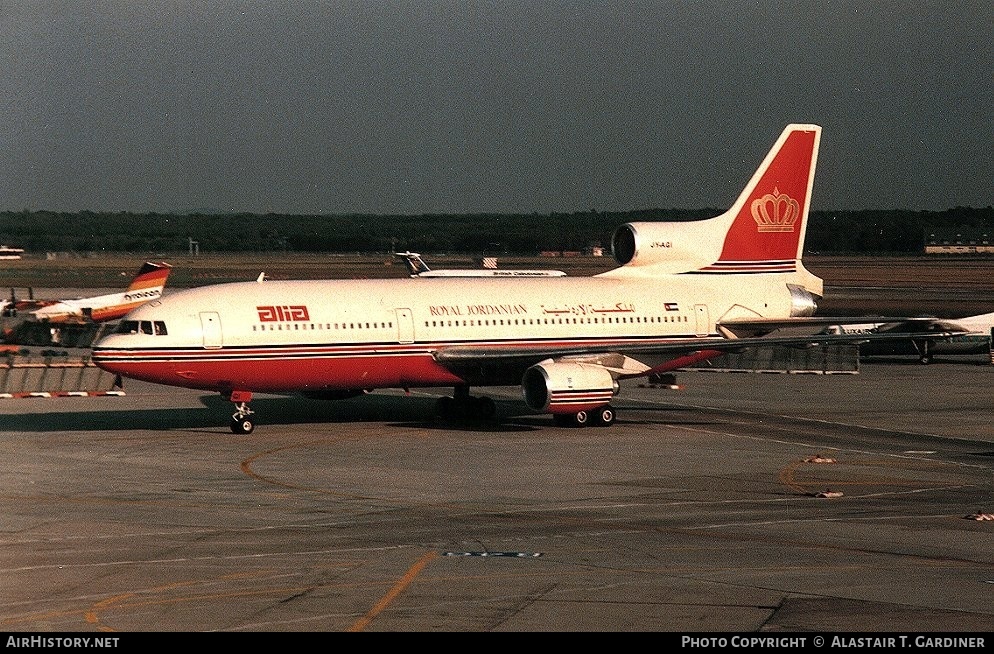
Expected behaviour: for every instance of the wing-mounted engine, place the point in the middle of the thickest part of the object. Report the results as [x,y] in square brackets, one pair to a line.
[669,247]
[568,388]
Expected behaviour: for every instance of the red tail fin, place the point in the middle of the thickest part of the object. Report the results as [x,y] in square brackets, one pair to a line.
[771,214]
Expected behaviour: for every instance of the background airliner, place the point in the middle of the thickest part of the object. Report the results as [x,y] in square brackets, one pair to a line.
[146,285]
[417,267]
[683,293]
[926,337]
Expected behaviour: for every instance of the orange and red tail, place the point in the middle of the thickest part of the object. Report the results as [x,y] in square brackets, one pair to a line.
[771,215]
[150,275]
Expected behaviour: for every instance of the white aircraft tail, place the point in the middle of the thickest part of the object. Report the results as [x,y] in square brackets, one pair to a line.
[415,264]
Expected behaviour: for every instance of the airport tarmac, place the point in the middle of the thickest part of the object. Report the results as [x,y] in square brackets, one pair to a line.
[698,511]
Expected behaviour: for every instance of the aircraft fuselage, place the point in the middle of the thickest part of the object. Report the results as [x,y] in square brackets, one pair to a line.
[277,336]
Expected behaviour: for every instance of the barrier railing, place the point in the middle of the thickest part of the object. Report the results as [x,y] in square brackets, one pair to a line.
[824,360]
[25,376]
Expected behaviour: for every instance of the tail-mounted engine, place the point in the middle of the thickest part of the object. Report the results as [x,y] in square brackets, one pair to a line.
[803,302]
[559,387]
[670,246]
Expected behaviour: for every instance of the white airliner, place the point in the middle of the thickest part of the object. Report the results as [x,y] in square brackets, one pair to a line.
[146,285]
[684,292]
[418,268]
[926,337]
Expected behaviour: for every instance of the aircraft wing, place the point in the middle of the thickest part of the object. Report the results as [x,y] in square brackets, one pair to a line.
[633,360]
[751,327]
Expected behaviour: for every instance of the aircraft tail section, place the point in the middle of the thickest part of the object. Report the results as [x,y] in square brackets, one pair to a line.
[415,264]
[147,285]
[763,232]
[150,275]
[770,217]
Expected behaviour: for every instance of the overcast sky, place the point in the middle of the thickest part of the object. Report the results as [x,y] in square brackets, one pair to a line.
[463,106]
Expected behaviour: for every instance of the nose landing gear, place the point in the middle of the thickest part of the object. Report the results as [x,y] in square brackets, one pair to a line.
[241,419]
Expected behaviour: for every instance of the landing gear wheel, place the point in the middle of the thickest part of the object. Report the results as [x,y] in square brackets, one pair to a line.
[241,419]
[242,426]
[605,416]
[443,407]
[583,418]
[925,359]
[465,407]
[485,408]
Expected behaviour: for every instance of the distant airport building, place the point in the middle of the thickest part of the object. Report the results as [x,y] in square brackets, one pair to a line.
[959,243]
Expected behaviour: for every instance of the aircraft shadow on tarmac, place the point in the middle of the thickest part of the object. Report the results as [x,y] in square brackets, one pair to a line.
[412,412]
[415,412]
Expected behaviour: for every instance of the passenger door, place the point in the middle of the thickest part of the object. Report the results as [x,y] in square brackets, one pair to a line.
[405,326]
[210,324]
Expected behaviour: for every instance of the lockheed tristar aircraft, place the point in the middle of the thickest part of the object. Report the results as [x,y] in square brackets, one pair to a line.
[684,292]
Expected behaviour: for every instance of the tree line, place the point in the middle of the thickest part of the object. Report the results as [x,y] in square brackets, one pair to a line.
[836,232]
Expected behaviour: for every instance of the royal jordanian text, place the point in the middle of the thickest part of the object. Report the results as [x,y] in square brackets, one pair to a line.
[61,641]
[478,310]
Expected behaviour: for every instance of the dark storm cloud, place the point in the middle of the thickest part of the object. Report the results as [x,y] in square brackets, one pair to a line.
[412,107]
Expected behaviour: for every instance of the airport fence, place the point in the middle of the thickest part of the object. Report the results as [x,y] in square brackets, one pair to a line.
[54,375]
[824,360]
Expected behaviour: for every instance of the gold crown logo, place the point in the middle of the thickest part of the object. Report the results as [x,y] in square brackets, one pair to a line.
[775,212]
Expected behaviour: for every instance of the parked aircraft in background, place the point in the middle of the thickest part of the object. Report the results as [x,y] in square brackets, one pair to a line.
[148,284]
[926,337]
[418,268]
[684,292]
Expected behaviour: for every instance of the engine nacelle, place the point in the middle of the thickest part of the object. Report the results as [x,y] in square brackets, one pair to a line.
[803,302]
[674,246]
[562,387]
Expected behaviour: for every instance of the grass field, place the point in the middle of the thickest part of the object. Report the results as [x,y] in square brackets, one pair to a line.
[103,271]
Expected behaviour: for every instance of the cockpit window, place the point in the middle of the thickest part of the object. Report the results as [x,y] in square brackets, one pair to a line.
[157,327]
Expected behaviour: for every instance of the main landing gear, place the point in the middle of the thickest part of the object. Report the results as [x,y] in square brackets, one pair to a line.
[463,406]
[241,419]
[599,417]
